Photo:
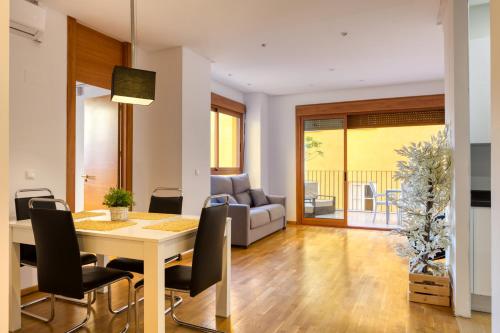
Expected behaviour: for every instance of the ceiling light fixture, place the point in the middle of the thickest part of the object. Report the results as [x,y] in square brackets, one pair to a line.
[131,85]
[263,44]
[331,69]
[344,33]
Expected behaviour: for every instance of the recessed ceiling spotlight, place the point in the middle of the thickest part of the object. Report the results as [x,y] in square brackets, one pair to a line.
[263,44]
[344,33]
[331,69]
[229,74]
[249,84]
[361,80]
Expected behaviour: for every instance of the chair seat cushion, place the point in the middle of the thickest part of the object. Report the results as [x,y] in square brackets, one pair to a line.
[95,276]
[126,264]
[87,258]
[259,216]
[276,211]
[176,277]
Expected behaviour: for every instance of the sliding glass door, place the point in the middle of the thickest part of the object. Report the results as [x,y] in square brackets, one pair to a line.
[323,170]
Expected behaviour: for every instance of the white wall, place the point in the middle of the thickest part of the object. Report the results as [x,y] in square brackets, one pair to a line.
[157,128]
[456,37]
[495,163]
[256,143]
[4,166]
[228,92]
[281,142]
[38,113]
[479,57]
[172,136]
[196,87]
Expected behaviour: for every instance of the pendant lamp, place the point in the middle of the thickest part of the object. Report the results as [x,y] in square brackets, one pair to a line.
[131,85]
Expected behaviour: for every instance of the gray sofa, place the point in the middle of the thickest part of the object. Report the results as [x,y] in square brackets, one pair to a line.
[249,223]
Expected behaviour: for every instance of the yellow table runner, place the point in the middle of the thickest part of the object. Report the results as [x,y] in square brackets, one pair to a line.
[86,214]
[148,216]
[102,225]
[176,225]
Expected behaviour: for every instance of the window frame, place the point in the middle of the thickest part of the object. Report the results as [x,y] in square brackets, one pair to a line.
[220,104]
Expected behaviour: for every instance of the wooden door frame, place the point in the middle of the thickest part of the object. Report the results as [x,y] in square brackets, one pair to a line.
[299,122]
[329,110]
[125,116]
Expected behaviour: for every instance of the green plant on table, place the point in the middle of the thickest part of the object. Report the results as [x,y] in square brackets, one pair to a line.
[118,197]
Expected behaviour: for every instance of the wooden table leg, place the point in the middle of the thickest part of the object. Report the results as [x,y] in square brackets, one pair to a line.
[102,261]
[154,289]
[223,288]
[15,288]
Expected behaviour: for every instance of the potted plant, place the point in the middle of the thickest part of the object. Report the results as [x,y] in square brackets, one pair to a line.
[118,201]
[425,175]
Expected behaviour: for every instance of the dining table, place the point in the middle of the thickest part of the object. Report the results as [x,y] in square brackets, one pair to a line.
[135,242]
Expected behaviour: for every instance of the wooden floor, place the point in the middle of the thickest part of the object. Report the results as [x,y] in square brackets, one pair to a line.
[304,279]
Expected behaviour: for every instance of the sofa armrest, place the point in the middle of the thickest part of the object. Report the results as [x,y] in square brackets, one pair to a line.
[280,200]
[240,224]
[277,199]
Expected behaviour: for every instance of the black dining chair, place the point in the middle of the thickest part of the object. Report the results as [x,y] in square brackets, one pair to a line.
[28,252]
[158,204]
[59,268]
[206,269]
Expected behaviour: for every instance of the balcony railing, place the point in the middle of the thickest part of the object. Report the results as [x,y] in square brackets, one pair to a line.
[360,196]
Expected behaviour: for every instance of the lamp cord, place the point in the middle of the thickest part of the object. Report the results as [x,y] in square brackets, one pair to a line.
[132,30]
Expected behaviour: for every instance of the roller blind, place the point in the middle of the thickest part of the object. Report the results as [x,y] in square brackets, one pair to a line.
[395,119]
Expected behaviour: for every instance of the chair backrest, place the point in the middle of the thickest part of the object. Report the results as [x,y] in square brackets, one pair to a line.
[208,247]
[58,255]
[373,188]
[311,190]
[21,203]
[166,205]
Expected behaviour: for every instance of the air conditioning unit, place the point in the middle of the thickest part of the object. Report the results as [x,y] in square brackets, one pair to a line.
[27,18]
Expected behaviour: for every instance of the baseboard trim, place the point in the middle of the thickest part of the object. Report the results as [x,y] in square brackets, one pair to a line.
[481,303]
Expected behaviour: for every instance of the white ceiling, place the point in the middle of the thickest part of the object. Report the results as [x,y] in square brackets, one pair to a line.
[388,41]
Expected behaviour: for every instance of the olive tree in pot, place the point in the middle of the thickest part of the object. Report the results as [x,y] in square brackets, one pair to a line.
[425,175]
[118,201]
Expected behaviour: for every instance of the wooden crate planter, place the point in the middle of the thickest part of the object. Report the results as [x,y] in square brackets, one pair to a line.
[430,289]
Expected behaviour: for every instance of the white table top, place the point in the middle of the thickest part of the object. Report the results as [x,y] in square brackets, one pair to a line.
[135,232]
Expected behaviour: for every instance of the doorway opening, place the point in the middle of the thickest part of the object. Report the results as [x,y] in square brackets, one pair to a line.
[96,153]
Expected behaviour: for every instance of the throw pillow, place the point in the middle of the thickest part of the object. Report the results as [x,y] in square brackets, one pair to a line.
[244,198]
[258,197]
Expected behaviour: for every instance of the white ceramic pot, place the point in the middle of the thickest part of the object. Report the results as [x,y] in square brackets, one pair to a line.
[119,213]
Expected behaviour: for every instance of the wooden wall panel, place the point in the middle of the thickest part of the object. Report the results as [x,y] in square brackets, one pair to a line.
[97,55]
[385,105]
[91,59]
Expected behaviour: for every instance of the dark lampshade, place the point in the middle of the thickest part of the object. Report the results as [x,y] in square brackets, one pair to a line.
[133,86]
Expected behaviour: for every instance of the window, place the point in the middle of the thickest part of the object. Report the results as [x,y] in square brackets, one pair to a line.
[226,129]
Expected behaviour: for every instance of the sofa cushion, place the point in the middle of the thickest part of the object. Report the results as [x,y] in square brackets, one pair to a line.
[276,211]
[244,198]
[258,217]
[241,183]
[221,185]
[258,197]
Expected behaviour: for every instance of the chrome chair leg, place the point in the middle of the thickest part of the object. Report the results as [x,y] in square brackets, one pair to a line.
[38,317]
[89,309]
[186,324]
[87,317]
[178,301]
